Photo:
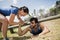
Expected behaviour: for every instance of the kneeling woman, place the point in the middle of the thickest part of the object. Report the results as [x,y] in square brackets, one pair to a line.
[35,28]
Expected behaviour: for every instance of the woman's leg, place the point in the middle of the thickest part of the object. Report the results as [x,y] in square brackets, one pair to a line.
[0,26]
[4,22]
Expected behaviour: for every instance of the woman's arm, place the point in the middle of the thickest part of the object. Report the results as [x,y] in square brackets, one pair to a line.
[11,20]
[22,32]
[20,20]
[44,29]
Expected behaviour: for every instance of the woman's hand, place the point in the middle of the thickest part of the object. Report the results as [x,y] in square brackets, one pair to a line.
[21,22]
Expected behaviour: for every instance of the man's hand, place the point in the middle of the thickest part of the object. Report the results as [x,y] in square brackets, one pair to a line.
[21,23]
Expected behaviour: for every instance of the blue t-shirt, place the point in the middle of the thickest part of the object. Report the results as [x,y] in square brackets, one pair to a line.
[7,12]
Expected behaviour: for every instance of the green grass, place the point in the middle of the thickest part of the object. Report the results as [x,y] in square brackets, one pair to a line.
[54,34]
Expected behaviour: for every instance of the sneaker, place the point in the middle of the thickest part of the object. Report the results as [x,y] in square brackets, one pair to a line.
[5,39]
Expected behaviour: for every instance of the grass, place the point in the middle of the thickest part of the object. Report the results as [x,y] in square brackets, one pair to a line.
[54,34]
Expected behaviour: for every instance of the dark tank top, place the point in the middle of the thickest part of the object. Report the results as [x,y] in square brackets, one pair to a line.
[38,30]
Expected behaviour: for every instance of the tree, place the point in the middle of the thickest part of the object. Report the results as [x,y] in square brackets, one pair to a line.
[34,12]
[53,11]
[58,7]
[41,11]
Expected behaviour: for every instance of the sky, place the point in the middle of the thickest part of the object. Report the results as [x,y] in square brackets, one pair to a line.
[31,4]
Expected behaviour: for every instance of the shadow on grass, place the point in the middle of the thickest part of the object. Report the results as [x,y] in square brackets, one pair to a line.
[19,38]
[1,38]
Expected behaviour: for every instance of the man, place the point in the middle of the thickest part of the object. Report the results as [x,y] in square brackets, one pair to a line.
[35,28]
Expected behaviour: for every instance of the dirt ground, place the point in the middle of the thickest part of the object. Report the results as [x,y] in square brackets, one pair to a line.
[54,34]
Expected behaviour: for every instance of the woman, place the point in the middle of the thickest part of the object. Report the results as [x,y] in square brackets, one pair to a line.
[35,28]
[12,12]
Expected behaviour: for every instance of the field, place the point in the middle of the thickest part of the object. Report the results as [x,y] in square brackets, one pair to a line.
[54,34]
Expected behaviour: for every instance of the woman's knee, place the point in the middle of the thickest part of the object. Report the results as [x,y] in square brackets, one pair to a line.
[5,20]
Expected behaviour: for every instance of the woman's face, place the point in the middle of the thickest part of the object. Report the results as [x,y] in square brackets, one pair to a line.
[22,13]
[33,24]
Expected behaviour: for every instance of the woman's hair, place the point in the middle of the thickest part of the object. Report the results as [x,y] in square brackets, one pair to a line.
[25,9]
[34,19]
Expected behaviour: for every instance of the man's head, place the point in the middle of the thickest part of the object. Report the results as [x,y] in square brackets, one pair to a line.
[23,11]
[33,21]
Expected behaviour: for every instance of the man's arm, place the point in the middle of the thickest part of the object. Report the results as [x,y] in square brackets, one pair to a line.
[22,32]
[44,29]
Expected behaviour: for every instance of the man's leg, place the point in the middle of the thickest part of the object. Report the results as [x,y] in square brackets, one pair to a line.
[4,22]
